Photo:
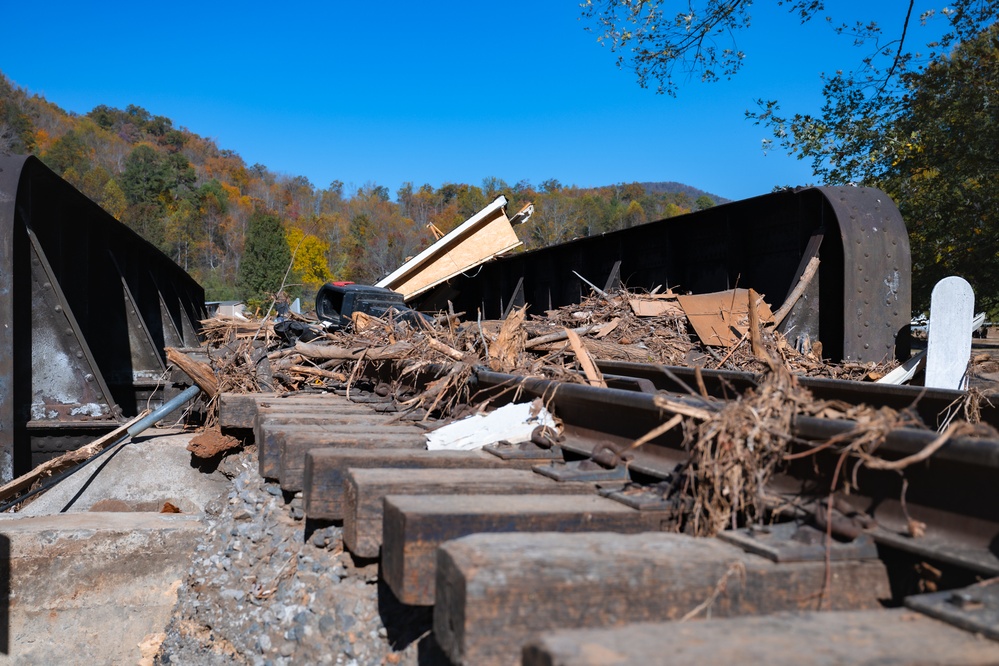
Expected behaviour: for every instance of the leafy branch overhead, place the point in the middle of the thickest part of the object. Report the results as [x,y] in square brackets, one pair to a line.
[663,44]
[918,120]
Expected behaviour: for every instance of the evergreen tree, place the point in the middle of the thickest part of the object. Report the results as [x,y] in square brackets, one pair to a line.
[146,176]
[265,260]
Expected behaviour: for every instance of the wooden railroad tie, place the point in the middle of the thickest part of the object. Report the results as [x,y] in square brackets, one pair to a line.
[295,445]
[326,471]
[415,525]
[863,638]
[366,489]
[494,592]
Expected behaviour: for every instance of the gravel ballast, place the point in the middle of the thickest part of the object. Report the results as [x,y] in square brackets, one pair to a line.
[267,588]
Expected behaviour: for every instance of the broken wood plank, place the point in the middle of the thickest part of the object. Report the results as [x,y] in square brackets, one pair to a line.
[593,376]
[326,470]
[811,268]
[478,239]
[656,306]
[66,460]
[294,445]
[862,638]
[365,490]
[413,527]
[720,319]
[496,591]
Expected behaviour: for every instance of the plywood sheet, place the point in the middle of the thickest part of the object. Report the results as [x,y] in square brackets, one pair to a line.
[721,319]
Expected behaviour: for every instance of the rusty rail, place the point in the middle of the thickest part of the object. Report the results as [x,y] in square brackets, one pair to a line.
[945,492]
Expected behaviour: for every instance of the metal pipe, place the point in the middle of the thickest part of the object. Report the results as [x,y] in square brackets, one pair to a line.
[187,394]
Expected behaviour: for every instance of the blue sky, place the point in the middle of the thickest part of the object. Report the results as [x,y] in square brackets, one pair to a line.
[428,92]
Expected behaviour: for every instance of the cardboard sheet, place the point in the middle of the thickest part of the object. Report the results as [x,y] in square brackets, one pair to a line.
[722,318]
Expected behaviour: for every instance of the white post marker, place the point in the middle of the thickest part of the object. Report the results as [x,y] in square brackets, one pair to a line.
[948,349]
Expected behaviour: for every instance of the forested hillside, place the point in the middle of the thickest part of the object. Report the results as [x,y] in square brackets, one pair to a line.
[198,202]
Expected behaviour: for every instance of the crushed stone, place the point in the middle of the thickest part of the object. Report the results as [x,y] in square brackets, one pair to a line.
[268,588]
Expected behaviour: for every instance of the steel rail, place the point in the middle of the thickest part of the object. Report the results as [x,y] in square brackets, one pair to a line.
[947,492]
[933,405]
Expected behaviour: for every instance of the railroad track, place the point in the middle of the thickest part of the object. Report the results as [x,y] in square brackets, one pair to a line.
[573,566]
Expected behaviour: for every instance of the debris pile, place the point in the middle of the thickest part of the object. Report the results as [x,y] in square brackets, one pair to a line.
[434,357]
[735,446]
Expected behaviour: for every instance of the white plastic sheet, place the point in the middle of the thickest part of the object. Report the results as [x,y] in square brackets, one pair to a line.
[512,423]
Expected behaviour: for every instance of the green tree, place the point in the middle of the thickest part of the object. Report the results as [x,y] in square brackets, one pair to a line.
[917,122]
[68,152]
[704,202]
[265,259]
[940,167]
[146,176]
[663,42]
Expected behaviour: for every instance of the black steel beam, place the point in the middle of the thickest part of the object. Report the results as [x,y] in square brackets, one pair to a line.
[86,307]
[858,305]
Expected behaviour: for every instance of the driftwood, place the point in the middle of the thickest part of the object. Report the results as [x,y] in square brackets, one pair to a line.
[201,373]
[66,460]
[318,372]
[558,336]
[393,351]
[603,349]
[437,345]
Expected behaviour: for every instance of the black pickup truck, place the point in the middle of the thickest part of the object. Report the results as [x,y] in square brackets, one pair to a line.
[337,301]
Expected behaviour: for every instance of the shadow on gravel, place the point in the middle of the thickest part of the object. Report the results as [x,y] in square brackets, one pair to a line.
[408,624]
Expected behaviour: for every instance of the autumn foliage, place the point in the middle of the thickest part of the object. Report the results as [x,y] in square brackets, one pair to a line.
[200,203]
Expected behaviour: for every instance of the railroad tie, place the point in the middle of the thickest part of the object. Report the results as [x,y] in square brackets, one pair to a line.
[415,525]
[240,410]
[326,470]
[495,592]
[272,413]
[863,638]
[366,489]
[294,442]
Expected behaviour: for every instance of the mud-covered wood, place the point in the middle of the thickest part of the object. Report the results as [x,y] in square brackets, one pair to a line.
[496,591]
[326,469]
[293,445]
[365,490]
[413,527]
[862,638]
